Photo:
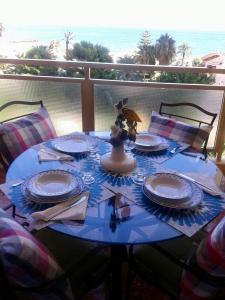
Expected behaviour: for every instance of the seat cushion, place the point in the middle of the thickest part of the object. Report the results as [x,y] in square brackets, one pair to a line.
[27,262]
[179,131]
[17,136]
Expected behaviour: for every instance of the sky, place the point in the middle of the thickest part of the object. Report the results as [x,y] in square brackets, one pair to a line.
[172,14]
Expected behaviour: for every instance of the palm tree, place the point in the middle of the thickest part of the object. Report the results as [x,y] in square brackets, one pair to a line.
[68,36]
[165,49]
[184,50]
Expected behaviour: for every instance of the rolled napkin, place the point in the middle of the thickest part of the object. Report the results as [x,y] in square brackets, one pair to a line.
[67,210]
[48,155]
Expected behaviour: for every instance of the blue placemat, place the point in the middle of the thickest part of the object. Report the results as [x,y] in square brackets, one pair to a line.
[97,193]
[185,220]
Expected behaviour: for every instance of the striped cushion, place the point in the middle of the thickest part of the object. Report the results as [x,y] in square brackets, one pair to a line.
[179,131]
[211,252]
[210,257]
[17,136]
[27,262]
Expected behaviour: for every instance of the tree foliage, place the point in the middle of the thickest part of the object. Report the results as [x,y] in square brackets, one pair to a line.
[183,51]
[86,51]
[127,75]
[68,37]
[37,52]
[199,78]
[165,49]
[146,51]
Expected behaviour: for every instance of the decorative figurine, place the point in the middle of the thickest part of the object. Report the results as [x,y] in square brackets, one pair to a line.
[125,127]
[119,132]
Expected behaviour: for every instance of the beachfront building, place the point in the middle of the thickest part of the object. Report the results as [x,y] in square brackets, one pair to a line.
[215,60]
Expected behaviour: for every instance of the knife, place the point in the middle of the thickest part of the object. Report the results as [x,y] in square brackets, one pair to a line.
[65,209]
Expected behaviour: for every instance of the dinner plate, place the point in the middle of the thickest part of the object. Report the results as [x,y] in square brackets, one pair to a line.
[71,144]
[190,203]
[168,186]
[52,183]
[159,148]
[148,140]
[29,197]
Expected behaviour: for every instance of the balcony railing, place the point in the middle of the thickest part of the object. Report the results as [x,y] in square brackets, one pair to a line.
[88,87]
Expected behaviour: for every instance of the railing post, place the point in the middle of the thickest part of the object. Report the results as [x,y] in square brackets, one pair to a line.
[87,102]
[220,138]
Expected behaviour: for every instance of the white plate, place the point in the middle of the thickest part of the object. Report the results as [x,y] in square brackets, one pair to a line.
[190,203]
[161,147]
[52,183]
[71,144]
[148,140]
[168,186]
[30,197]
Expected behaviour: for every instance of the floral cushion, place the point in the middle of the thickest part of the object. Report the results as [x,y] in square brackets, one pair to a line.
[179,131]
[17,136]
[27,262]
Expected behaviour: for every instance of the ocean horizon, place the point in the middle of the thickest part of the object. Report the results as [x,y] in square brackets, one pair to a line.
[119,41]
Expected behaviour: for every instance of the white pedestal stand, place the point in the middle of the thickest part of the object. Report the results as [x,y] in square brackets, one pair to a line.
[118,161]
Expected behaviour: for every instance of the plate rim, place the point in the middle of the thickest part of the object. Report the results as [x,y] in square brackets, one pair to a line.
[51,199]
[164,146]
[60,139]
[191,204]
[173,175]
[51,194]
[148,146]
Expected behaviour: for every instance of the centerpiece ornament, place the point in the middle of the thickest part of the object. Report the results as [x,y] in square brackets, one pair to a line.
[125,127]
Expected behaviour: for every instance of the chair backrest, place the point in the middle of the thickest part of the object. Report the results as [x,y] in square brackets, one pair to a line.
[18,102]
[168,109]
[27,268]
[20,132]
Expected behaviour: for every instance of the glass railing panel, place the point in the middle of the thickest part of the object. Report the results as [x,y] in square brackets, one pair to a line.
[144,100]
[62,100]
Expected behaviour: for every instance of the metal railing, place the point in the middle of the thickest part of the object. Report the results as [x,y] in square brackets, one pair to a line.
[88,84]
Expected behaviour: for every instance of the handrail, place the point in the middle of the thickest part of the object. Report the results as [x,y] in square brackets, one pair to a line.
[87,84]
[110,66]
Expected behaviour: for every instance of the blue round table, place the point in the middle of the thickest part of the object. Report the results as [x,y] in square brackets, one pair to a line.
[106,221]
[138,226]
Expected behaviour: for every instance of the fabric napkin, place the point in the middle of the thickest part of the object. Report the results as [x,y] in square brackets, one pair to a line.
[49,155]
[209,182]
[76,212]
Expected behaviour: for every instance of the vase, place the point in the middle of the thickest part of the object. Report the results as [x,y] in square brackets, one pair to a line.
[118,161]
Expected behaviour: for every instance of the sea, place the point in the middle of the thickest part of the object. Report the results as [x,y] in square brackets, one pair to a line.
[119,41]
